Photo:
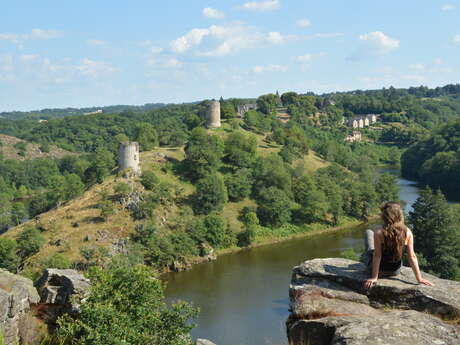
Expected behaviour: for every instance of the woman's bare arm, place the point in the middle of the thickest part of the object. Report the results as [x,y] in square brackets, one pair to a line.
[413,260]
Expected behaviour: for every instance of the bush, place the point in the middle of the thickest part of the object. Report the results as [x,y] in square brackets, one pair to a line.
[126,307]
[29,242]
[58,261]
[149,180]
[211,194]
[8,258]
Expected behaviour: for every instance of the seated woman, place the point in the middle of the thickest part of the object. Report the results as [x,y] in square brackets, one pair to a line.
[385,247]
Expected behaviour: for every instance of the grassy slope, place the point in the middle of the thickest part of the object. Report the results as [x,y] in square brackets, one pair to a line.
[76,223]
[32,150]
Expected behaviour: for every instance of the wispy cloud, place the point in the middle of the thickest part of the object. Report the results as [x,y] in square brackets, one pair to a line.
[34,34]
[96,43]
[457,39]
[267,5]
[270,68]
[448,7]
[95,69]
[212,13]
[303,23]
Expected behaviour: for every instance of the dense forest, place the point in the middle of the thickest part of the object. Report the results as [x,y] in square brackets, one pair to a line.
[250,180]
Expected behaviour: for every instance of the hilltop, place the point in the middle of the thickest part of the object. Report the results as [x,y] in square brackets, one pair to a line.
[18,149]
[78,223]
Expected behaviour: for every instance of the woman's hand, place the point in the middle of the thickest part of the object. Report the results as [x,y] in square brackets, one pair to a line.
[369,282]
[425,282]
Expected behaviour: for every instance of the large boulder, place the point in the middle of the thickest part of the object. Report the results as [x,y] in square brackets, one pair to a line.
[17,296]
[330,306]
[63,288]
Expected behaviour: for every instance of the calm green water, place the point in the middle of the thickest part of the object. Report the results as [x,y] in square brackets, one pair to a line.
[244,296]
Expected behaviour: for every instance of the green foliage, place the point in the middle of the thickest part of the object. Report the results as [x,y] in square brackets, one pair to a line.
[149,180]
[436,231]
[349,254]
[386,188]
[227,110]
[58,261]
[102,162]
[107,209]
[146,136]
[203,153]
[21,146]
[267,103]
[256,121]
[240,149]
[18,213]
[274,207]
[211,194]
[122,190]
[29,242]
[271,171]
[239,184]
[251,224]
[126,307]
[313,202]
[8,258]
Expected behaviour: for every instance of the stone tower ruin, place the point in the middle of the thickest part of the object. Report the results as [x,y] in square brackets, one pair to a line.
[128,157]
[213,115]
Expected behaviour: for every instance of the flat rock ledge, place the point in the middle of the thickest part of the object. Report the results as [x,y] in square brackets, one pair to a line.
[330,307]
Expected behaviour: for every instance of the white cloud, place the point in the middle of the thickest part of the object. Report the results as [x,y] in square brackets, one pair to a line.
[379,42]
[97,43]
[95,69]
[28,57]
[417,66]
[303,23]
[267,5]
[437,61]
[275,37]
[44,34]
[224,40]
[448,7]
[173,63]
[457,39]
[303,59]
[270,68]
[212,13]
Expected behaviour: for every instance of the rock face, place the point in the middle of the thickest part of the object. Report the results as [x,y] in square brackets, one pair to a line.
[204,342]
[330,307]
[17,295]
[56,286]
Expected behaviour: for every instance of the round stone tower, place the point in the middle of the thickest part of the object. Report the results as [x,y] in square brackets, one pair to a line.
[128,157]
[213,115]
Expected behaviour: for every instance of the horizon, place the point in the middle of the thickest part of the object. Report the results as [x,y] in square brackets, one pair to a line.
[130,55]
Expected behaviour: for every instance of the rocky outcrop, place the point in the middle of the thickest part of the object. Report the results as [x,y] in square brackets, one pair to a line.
[57,286]
[17,296]
[330,307]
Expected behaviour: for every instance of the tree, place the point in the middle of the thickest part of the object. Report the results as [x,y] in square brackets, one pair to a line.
[211,194]
[8,258]
[203,154]
[149,180]
[146,136]
[436,234]
[386,188]
[227,110]
[271,171]
[274,207]
[267,103]
[29,242]
[102,162]
[240,149]
[239,184]
[18,213]
[312,201]
[126,306]
[216,229]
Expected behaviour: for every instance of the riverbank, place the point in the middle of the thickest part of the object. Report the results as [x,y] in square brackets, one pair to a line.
[268,236]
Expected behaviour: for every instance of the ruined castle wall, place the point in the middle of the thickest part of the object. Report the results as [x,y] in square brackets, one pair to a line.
[128,157]
[213,115]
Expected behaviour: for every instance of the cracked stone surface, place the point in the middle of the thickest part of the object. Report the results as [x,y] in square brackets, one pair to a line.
[330,307]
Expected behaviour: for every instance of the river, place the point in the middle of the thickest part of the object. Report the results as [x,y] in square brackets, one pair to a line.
[243,296]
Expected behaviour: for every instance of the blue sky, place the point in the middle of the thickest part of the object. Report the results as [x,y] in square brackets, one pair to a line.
[94,53]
